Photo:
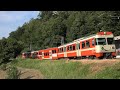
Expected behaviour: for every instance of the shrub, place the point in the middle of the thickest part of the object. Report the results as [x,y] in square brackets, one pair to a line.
[13,73]
[3,67]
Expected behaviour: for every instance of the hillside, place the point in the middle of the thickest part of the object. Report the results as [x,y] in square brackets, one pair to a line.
[53,28]
[74,69]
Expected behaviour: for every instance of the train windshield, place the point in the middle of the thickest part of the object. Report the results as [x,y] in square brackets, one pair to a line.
[100,41]
[110,41]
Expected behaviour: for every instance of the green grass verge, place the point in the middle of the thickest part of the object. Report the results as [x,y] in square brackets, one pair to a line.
[112,72]
[55,69]
[72,70]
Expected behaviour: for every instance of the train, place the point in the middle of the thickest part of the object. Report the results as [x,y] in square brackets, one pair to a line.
[97,46]
[117,44]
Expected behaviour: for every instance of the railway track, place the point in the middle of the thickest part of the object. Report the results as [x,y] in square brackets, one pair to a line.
[95,60]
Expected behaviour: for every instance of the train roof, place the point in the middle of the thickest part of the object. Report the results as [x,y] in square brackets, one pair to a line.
[84,38]
[117,38]
[99,33]
[78,40]
[48,48]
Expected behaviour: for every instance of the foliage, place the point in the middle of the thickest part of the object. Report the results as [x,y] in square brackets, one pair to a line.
[13,73]
[9,49]
[56,69]
[51,27]
[72,70]
[109,72]
[3,67]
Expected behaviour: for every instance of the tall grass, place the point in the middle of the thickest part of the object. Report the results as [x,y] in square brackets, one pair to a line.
[55,69]
[112,72]
[13,73]
[72,70]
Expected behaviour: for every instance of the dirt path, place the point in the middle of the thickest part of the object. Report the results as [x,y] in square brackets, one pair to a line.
[2,74]
[25,74]
[103,61]
[98,65]
[30,73]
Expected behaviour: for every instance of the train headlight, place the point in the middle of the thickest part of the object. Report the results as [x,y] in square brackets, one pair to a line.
[104,33]
[113,47]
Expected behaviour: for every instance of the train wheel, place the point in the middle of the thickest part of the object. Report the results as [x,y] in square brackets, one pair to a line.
[91,57]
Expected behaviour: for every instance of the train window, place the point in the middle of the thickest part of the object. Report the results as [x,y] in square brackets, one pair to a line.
[79,45]
[73,47]
[110,41]
[87,44]
[55,51]
[93,42]
[67,47]
[52,51]
[101,41]
[70,47]
[64,49]
[37,53]
[59,50]
[83,44]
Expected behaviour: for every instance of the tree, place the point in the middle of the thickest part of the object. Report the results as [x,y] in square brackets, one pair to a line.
[48,29]
[10,48]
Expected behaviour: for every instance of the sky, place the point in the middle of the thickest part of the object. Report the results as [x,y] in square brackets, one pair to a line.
[11,20]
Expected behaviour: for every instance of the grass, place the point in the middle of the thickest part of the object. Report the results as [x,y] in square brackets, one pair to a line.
[109,72]
[72,70]
[55,69]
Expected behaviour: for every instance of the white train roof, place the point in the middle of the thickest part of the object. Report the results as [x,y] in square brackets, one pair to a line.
[117,37]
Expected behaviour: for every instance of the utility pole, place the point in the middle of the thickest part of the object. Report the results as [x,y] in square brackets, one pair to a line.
[62,40]
[30,42]
[30,46]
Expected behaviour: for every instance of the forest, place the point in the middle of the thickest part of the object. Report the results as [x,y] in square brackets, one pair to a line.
[50,27]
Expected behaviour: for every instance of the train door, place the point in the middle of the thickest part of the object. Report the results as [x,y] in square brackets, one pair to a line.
[42,55]
[65,53]
[50,54]
[78,49]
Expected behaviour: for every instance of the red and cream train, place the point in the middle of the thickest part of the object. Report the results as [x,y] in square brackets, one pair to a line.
[99,45]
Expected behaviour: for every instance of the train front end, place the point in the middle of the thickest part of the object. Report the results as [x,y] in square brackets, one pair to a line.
[105,46]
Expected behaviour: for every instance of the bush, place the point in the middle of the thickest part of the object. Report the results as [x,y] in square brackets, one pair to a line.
[13,73]
[3,67]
